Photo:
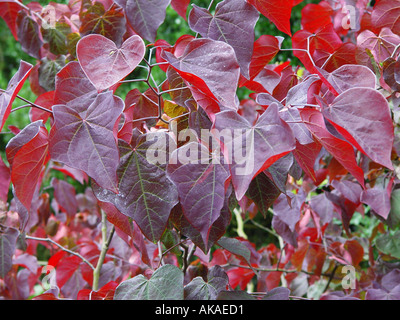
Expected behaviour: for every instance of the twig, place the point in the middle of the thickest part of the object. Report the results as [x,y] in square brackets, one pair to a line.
[104,248]
[62,248]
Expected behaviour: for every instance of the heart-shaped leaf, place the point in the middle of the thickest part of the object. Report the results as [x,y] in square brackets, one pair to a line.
[201,182]
[166,283]
[82,137]
[233,22]
[211,67]
[198,289]
[270,136]
[104,63]
[145,192]
[362,116]
[145,16]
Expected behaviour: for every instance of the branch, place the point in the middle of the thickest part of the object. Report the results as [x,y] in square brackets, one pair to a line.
[30,104]
[104,248]
[62,248]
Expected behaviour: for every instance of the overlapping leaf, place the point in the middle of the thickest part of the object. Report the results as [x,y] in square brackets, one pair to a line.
[110,24]
[145,192]
[145,16]
[211,67]
[72,85]
[386,14]
[104,63]
[278,12]
[166,283]
[198,289]
[8,241]
[201,180]
[27,153]
[233,22]
[269,139]
[82,137]
[29,35]
[340,149]
[362,116]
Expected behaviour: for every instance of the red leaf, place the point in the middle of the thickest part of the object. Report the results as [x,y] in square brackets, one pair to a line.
[66,268]
[316,16]
[279,12]
[306,156]
[104,63]
[340,149]
[64,193]
[8,96]
[265,49]
[5,179]
[180,6]
[9,12]
[27,153]
[211,67]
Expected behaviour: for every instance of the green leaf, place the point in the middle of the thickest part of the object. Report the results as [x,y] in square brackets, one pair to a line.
[198,289]
[394,215]
[57,37]
[166,283]
[389,244]
[236,247]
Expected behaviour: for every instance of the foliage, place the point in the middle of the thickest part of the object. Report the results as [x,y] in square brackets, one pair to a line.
[145,173]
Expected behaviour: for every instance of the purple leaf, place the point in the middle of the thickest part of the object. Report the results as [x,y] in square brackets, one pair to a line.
[279,293]
[145,16]
[378,199]
[233,22]
[28,34]
[72,84]
[211,67]
[201,182]
[362,116]
[145,192]
[82,137]
[270,136]
[351,76]
[64,193]
[8,96]
[8,240]
[288,214]
[104,63]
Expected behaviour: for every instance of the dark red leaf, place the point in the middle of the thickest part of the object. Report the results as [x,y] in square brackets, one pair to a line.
[9,12]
